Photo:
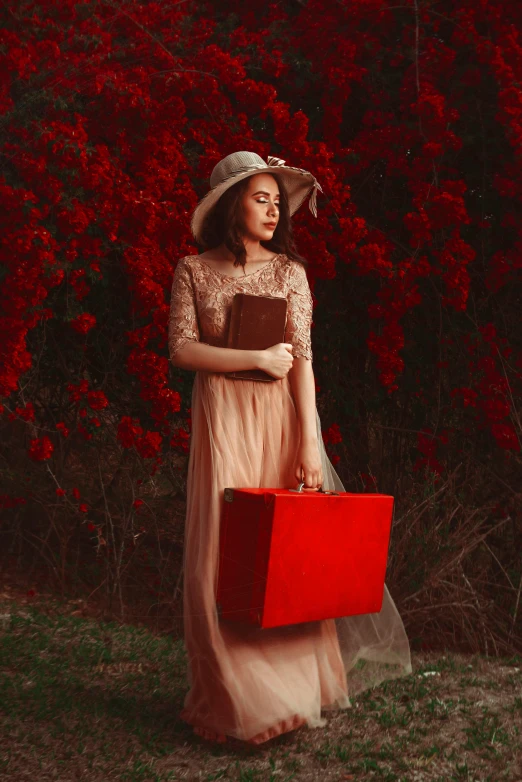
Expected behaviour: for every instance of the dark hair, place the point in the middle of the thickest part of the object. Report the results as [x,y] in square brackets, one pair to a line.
[223,225]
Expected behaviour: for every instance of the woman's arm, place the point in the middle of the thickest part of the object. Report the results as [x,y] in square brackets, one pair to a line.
[199,355]
[307,466]
[301,378]
[185,349]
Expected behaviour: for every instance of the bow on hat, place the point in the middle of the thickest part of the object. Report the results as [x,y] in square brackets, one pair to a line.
[274,161]
[312,203]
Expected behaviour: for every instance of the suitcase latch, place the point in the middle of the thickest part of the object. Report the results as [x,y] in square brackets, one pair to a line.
[229,495]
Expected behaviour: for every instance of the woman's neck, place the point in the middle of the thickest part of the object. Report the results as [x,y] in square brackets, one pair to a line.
[255,252]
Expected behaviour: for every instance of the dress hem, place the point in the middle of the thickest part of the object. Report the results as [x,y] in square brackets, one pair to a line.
[284,726]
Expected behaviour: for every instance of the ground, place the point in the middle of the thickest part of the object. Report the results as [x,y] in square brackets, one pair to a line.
[91,701]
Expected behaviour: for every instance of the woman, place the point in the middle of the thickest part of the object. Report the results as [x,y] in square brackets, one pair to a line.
[245,682]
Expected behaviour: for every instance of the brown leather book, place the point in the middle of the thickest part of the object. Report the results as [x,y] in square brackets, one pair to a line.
[256,323]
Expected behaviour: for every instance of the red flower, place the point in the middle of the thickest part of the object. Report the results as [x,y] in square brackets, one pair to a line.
[84,432]
[370,482]
[25,413]
[83,323]
[97,400]
[10,502]
[181,439]
[62,428]
[40,449]
[149,445]
[506,437]
[77,391]
[128,430]
[78,283]
[60,492]
[332,435]
[469,396]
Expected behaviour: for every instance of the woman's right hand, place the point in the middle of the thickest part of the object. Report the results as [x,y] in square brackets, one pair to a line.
[277,360]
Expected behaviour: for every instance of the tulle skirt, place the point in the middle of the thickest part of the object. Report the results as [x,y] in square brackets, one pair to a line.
[245,682]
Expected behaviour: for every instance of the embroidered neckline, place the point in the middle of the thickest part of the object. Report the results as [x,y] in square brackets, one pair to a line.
[234,277]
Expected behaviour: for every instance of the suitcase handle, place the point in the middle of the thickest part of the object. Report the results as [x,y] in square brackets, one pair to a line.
[299,490]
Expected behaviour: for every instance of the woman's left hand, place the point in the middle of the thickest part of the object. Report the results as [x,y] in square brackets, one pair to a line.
[308,465]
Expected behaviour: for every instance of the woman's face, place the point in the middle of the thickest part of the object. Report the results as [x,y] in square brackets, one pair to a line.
[260,205]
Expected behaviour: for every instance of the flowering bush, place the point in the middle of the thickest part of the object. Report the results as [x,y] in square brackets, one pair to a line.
[114,115]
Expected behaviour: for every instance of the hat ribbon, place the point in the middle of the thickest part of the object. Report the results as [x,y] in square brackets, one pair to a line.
[312,202]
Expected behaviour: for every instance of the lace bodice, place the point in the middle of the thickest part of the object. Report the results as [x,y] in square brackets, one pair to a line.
[201,301]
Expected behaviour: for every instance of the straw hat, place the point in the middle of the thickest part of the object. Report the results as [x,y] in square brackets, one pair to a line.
[239,165]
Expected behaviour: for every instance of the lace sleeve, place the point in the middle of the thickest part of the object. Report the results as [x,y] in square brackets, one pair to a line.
[299,312]
[183,321]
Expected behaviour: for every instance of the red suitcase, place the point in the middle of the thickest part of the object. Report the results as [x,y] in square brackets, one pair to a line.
[288,556]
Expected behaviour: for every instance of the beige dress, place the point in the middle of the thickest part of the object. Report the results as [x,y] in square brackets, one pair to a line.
[245,682]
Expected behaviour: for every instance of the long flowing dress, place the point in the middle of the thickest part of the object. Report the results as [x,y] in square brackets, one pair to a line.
[246,682]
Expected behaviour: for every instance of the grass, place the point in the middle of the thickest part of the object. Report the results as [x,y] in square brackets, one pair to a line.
[84,700]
